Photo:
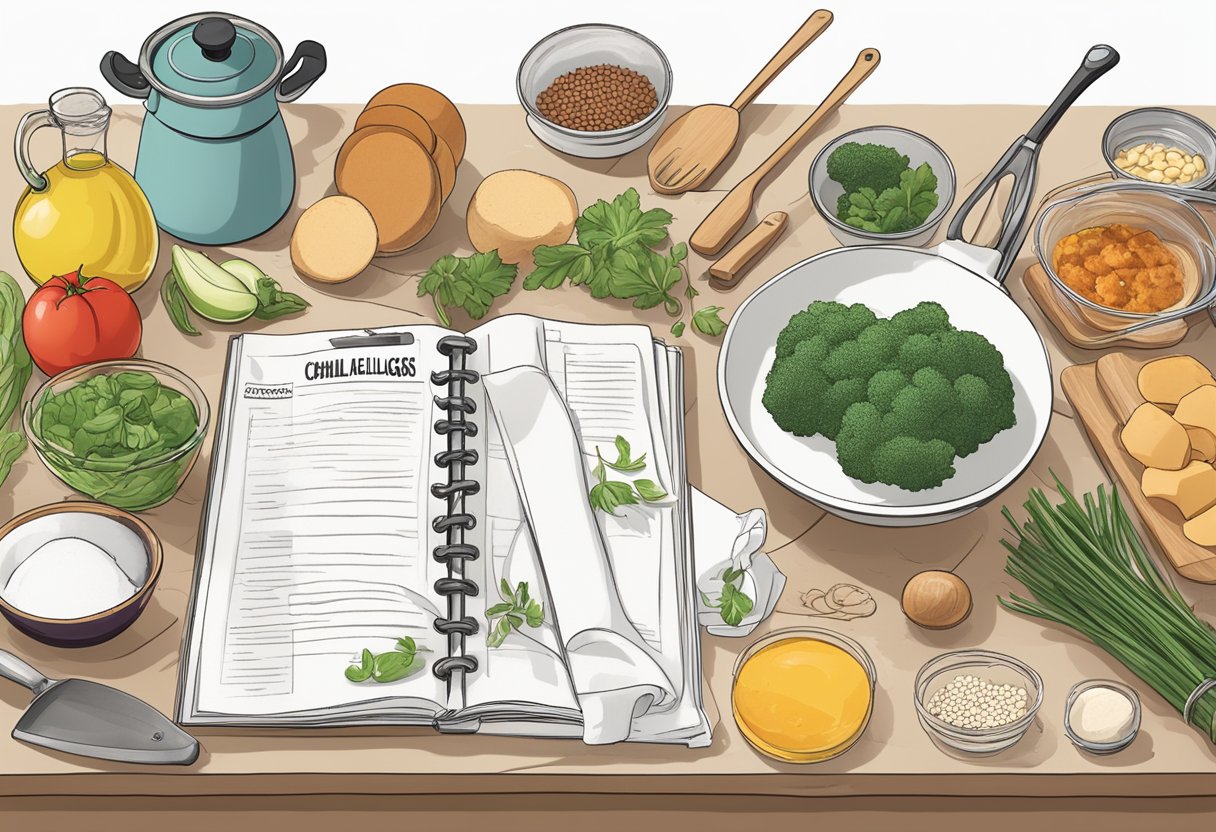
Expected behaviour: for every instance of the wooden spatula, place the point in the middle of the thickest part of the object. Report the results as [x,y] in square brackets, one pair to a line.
[716,229]
[693,146]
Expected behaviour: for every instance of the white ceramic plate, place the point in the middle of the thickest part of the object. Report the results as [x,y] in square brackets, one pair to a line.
[888,279]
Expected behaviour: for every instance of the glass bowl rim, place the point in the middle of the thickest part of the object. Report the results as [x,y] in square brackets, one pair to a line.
[977,657]
[1195,122]
[201,406]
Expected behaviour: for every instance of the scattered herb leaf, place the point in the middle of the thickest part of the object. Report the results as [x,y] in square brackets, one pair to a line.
[733,603]
[12,445]
[469,283]
[707,322]
[516,609]
[176,305]
[649,491]
[608,495]
[677,329]
[624,460]
[273,302]
[396,664]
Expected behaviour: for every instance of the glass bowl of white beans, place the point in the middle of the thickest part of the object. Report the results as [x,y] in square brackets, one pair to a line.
[977,701]
[1162,147]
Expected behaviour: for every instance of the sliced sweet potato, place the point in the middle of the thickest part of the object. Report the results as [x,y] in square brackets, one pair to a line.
[1197,409]
[387,170]
[1166,380]
[1201,529]
[1192,490]
[432,105]
[1155,440]
[334,240]
[394,115]
[1203,444]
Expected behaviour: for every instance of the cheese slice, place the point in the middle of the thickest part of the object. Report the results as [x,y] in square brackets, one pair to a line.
[1155,439]
[1192,490]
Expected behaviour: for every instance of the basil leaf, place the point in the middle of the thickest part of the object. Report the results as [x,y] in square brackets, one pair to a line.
[362,671]
[394,666]
[649,491]
[624,461]
[734,605]
[607,496]
[12,445]
[677,329]
[707,322]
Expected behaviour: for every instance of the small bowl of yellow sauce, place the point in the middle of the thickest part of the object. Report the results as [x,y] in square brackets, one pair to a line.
[803,695]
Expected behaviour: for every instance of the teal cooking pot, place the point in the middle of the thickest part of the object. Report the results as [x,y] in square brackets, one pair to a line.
[214,157]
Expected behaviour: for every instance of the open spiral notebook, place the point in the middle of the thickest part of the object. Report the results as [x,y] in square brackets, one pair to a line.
[369,485]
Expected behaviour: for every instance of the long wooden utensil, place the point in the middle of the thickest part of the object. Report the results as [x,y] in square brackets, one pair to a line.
[715,230]
[692,146]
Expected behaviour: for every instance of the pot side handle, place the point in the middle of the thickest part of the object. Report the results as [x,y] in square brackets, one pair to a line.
[124,76]
[310,60]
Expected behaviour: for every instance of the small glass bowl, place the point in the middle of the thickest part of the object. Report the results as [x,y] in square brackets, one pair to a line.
[587,45]
[991,667]
[1164,212]
[825,191]
[1172,128]
[806,755]
[1102,747]
[112,482]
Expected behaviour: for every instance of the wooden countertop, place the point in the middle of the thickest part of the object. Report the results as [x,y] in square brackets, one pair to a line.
[895,757]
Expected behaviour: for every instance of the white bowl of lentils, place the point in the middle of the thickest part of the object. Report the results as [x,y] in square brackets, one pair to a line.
[583,78]
[977,701]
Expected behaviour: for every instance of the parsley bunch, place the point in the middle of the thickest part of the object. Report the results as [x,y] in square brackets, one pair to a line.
[615,256]
[470,283]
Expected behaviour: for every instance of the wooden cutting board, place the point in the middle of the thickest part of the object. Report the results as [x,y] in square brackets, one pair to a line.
[1103,395]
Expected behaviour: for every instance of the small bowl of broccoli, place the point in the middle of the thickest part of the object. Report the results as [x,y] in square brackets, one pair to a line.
[882,185]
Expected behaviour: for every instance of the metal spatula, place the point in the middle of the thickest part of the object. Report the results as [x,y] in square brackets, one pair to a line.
[81,717]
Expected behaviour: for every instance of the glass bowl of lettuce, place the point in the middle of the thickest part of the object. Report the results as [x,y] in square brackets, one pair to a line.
[124,433]
[882,185]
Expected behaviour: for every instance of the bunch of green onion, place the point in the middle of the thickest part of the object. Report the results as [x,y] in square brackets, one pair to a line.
[1088,570]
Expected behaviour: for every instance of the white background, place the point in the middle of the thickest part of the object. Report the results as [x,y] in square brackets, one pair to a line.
[934,51]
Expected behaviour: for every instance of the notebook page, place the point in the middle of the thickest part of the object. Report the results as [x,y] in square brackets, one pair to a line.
[319,536]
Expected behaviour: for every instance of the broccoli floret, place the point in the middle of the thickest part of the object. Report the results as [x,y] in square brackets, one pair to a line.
[883,387]
[925,318]
[861,431]
[855,165]
[901,397]
[913,464]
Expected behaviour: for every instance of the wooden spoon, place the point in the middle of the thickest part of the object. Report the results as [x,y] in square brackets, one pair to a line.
[715,230]
[692,146]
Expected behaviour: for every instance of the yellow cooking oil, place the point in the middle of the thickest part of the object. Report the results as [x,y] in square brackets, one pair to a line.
[92,214]
[802,699]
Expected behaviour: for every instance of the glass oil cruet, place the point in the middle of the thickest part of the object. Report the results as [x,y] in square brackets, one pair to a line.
[85,211]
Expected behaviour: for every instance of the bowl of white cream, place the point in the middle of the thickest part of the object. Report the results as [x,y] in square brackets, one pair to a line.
[1101,716]
[74,574]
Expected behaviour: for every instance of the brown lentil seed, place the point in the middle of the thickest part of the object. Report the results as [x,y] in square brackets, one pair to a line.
[600,97]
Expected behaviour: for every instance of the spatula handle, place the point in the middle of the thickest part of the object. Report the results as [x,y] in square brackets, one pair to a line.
[723,221]
[16,670]
[804,37]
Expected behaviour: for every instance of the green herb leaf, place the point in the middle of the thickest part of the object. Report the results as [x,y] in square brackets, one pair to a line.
[608,495]
[621,223]
[734,605]
[518,608]
[362,671]
[707,322]
[624,461]
[556,264]
[470,283]
[273,302]
[395,665]
[677,329]
[175,304]
[649,491]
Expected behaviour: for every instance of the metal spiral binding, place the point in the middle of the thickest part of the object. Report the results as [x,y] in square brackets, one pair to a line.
[456,521]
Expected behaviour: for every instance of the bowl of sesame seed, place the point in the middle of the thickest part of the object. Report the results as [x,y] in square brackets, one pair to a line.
[597,91]
[977,701]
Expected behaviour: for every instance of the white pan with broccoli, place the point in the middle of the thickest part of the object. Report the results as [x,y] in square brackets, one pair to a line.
[906,387]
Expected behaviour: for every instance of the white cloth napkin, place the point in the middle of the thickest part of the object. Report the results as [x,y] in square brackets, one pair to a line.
[722,540]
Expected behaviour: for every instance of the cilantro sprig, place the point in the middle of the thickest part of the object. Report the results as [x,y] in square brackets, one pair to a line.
[402,661]
[469,283]
[733,604]
[516,609]
[608,495]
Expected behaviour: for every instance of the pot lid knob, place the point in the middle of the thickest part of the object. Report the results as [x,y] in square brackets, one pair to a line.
[215,36]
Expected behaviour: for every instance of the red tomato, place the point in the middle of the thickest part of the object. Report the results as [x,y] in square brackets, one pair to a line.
[73,320]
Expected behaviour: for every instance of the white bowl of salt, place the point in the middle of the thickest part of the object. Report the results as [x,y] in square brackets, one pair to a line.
[74,574]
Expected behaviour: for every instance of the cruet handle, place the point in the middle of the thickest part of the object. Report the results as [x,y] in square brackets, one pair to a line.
[21,146]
